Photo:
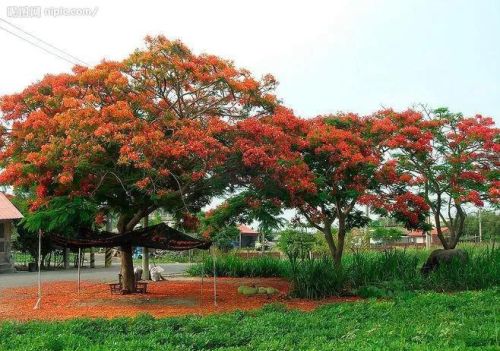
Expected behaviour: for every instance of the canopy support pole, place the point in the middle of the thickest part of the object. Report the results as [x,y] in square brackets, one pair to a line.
[79,264]
[39,300]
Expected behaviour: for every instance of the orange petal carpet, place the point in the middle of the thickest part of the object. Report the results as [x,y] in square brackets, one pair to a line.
[168,298]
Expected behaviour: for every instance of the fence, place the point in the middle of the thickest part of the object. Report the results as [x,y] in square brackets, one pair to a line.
[53,260]
[252,254]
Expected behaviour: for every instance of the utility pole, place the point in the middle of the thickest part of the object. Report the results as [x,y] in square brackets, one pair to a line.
[367,230]
[480,225]
[145,255]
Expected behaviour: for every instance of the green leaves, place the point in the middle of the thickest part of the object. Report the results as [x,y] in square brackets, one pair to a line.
[62,215]
[356,219]
[224,237]
[295,244]
[386,234]
[244,207]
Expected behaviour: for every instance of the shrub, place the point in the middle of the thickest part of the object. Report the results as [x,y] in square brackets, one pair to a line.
[296,244]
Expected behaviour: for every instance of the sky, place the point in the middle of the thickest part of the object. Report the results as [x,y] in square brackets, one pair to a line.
[328,56]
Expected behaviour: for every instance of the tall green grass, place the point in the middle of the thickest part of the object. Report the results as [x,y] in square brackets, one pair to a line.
[315,279]
[481,271]
[367,268]
[365,273]
[234,266]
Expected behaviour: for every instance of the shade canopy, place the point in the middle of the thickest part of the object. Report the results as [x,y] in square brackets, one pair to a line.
[159,236]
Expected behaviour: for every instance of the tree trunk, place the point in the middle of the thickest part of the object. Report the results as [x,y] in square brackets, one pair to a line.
[327,231]
[437,219]
[340,242]
[108,257]
[126,223]
[452,243]
[337,250]
[340,249]
[441,237]
[108,252]
[92,258]
[145,256]
[127,269]
[458,226]
[66,258]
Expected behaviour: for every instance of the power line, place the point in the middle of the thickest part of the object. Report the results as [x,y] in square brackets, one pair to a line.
[43,41]
[41,47]
[38,46]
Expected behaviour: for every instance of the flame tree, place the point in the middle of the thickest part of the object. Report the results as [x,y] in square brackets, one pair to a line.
[322,168]
[451,159]
[133,136]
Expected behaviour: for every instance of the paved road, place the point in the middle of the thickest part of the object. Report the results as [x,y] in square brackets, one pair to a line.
[9,280]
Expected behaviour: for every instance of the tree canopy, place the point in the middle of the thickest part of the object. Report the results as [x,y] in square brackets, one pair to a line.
[132,136]
[322,168]
[169,129]
[451,160]
[135,135]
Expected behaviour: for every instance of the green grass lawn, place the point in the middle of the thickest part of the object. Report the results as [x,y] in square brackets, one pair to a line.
[429,321]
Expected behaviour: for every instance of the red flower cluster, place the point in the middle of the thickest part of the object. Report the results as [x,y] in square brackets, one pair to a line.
[117,128]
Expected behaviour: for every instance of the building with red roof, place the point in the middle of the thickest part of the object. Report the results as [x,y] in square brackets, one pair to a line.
[8,213]
[248,236]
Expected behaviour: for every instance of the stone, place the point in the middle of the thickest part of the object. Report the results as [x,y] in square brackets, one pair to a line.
[441,256]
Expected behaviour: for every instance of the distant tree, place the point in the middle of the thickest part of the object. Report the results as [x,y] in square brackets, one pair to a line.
[450,159]
[241,208]
[386,234]
[225,237]
[490,225]
[26,241]
[295,244]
